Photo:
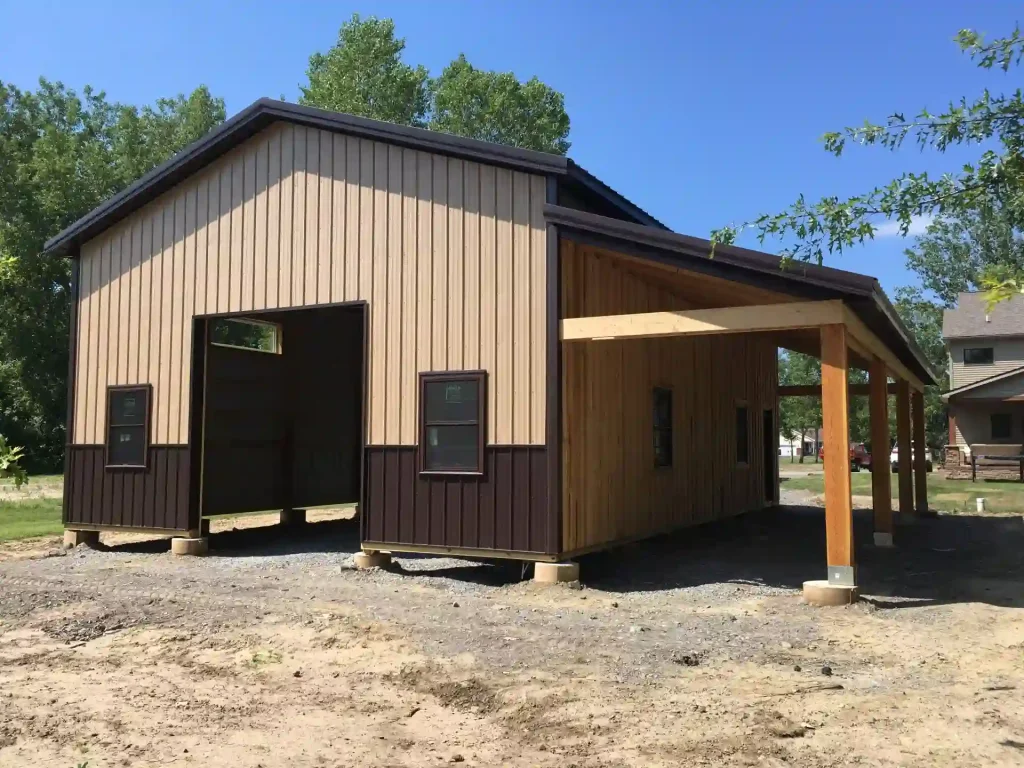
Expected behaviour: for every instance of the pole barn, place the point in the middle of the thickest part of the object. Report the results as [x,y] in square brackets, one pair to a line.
[487,348]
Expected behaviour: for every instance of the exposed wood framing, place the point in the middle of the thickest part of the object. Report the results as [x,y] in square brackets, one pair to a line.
[869,346]
[903,447]
[814,390]
[835,421]
[920,453]
[703,322]
[881,481]
[749,319]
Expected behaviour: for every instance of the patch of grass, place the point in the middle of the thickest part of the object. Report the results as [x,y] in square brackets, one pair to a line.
[25,519]
[946,495]
[260,658]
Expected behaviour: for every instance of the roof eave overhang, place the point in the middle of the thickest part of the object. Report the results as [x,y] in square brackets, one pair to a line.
[862,293]
[981,383]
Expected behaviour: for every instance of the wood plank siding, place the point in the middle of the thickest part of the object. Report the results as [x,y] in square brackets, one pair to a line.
[450,255]
[611,489]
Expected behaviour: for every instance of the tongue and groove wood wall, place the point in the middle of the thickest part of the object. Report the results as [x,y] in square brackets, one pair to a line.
[611,489]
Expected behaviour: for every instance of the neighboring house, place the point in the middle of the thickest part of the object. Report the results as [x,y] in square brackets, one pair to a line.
[986,377]
[796,444]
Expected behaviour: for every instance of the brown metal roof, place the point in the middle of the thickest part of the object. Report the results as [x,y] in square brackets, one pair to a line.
[972,319]
[862,293]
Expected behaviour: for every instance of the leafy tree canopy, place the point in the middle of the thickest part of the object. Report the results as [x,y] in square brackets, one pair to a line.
[61,154]
[994,182]
[363,74]
[957,250]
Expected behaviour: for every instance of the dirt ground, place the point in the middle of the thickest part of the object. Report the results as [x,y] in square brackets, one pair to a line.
[691,650]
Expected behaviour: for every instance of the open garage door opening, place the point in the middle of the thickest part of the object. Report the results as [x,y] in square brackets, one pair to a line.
[280,414]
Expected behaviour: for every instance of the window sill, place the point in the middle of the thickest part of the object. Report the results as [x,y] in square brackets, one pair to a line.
[125,466]
[451,473]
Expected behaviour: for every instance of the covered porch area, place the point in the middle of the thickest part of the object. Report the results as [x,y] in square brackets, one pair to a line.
[648,319]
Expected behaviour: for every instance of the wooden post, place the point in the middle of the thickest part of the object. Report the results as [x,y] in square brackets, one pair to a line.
[881,483]
[920,453]
[835,421]
[903,447]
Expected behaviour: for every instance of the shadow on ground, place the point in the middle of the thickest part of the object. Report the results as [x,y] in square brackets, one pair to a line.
[952,558]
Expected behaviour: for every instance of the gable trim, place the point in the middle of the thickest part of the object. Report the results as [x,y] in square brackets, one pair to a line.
[984,382]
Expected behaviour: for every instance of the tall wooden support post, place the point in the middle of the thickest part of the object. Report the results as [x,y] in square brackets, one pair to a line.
[881,484]
[903,447]
[836,422]
[920,454]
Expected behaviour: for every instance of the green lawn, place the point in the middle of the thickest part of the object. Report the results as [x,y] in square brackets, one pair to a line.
[945,495]
[26,518]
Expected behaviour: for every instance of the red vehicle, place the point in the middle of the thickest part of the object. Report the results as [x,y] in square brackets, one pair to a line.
[860,456]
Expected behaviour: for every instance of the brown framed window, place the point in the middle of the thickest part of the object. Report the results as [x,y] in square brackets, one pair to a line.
[742,434]
[979,355]
[128,425]
[453,405]
[662,427]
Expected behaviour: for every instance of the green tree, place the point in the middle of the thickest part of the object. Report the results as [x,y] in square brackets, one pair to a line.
[923,319]
[496,107]
[994,182]
[800,415]
[363,74]
[956,251]
[61,155]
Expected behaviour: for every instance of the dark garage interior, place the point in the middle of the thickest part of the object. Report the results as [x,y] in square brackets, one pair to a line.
[281,409]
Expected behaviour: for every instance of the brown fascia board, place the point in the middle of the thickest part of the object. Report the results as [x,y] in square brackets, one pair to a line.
[261,114]
[862,293]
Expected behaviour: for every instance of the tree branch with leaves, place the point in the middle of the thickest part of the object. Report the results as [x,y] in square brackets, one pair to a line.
[995,181]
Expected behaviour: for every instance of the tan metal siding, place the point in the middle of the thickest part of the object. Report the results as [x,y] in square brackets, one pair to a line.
[1008,354]
[450,254]
[611,489]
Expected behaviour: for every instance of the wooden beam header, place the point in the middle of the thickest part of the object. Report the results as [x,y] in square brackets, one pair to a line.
[704,322]
[749,319]
[814,390]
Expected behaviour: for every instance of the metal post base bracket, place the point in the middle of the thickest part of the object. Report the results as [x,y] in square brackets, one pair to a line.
[842,575]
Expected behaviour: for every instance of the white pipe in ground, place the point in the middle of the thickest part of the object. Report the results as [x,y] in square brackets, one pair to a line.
[981,504]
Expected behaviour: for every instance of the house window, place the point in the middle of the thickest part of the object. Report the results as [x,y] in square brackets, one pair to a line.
[662,427]
[127,426]
[1002,426]
[742,435]
[978,356]
[242,333]
[452,408]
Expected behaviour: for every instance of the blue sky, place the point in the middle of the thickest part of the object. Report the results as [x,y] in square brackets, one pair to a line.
[704,113]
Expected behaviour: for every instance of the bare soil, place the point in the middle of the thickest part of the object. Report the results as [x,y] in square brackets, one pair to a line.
[691,650]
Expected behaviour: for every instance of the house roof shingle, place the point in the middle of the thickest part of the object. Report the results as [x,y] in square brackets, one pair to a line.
[972,319]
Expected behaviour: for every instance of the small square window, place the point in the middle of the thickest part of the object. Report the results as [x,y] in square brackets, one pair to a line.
[452,410]
[662,427]
[979,356]
[128,426]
